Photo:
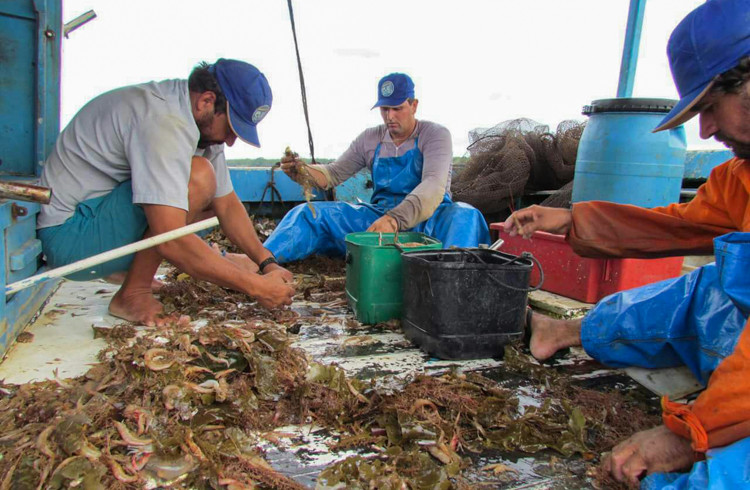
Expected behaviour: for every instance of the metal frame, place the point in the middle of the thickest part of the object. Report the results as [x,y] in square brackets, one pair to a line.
[49,35]
[630,49]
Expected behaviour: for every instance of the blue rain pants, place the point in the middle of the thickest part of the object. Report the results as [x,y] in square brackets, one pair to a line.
[300,234]
[693,320]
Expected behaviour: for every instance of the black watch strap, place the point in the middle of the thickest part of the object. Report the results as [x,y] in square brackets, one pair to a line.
[269,260]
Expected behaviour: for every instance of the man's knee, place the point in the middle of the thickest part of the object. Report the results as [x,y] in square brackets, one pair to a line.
[202,186]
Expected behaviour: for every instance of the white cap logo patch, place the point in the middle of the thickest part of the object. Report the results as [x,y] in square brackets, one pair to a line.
[260,113]
[386,89]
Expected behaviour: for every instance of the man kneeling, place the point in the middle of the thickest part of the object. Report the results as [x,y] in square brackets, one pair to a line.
[147,159]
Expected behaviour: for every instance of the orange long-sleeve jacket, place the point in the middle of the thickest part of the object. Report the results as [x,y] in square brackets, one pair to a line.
[721,413]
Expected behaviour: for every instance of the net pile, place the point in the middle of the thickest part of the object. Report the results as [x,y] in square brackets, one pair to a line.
[516,157]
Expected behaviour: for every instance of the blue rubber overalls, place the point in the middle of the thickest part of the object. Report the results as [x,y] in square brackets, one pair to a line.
[300,234]
[695,320]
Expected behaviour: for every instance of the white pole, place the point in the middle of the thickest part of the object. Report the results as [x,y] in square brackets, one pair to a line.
[111,255]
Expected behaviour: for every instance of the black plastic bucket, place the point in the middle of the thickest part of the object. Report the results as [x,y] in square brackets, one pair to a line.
[465,303]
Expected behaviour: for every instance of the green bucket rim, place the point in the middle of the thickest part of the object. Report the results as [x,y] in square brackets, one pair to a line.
[388,239]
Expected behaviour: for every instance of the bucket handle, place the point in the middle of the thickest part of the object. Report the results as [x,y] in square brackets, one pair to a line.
[524,255]
[402,251]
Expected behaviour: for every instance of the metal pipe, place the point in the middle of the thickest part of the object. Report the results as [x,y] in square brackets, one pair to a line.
[498,243]
[25,192]
[111,255]
[78,22]
[630,48]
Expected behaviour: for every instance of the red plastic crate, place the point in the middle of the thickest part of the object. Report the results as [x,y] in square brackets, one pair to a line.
[584,279]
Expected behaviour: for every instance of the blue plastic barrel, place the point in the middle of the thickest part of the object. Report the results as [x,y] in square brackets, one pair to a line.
[621,160]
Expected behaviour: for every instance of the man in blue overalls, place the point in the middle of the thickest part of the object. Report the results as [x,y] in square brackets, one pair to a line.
[410,161]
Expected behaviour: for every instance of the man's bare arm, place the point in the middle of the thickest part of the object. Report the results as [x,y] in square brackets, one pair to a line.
[238,227]
[192,255]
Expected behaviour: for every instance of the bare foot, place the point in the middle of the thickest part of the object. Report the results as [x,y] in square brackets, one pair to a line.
[138,306]
[549,335]
[240,260]
[119,278]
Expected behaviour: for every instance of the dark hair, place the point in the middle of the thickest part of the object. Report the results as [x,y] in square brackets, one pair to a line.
[733,80]
[201,80]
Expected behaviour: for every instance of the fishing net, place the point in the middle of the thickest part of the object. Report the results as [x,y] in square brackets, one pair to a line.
[562,198]
[516,157]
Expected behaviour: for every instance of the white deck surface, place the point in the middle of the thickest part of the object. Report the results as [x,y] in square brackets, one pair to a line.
[63,334]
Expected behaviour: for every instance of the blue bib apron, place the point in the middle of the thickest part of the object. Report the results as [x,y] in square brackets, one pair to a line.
[395,177]
[300,234]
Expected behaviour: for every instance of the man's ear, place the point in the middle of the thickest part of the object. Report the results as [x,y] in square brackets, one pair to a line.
[206,101]
[414,106]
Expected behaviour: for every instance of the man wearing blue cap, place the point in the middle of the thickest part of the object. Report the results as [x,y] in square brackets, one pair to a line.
[147,159]
[700,319]
[410,161]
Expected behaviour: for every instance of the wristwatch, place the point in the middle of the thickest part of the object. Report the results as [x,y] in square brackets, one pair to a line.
[269,260]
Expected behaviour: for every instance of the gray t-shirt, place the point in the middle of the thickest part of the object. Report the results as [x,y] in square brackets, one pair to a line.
[434,141]
[146,133]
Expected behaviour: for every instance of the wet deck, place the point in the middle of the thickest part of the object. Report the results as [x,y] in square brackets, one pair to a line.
[64,345]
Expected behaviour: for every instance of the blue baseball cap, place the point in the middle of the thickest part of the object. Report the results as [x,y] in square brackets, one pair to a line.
[394,89]
[248,96]
[709,41]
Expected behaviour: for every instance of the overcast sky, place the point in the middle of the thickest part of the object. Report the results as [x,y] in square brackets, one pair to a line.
[475,63]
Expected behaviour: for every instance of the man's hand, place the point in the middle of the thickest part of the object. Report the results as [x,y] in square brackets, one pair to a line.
[275,290]
[649,451]
[290,164]
[538,218]
[384,224]
[288,276]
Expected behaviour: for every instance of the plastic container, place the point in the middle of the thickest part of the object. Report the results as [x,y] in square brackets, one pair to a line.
[453,309]
[584,279]
[619,158]
[373,273]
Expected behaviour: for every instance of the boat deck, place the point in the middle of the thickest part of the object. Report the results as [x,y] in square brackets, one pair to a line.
[61,343]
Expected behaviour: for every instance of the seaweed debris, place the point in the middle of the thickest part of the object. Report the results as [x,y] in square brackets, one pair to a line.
[263,227]
[191,405]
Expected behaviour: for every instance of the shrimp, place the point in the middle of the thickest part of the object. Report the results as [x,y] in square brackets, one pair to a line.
[158,359]
[130,438]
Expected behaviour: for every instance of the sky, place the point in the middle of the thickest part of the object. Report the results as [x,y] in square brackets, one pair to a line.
[475,63]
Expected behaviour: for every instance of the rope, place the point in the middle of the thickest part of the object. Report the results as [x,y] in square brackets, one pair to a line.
[524,255]
[302,83]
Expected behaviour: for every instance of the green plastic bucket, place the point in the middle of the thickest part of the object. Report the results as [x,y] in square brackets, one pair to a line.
[373,272]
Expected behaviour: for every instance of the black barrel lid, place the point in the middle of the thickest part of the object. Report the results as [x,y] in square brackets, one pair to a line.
[629,105]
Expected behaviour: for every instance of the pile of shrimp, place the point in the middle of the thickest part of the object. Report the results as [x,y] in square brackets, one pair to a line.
[192,404]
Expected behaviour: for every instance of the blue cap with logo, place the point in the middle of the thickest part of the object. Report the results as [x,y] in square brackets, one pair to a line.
[709,41]
[248,96]
[394,89]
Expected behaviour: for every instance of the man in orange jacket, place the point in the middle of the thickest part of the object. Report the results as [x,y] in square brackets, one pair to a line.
[701,319]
